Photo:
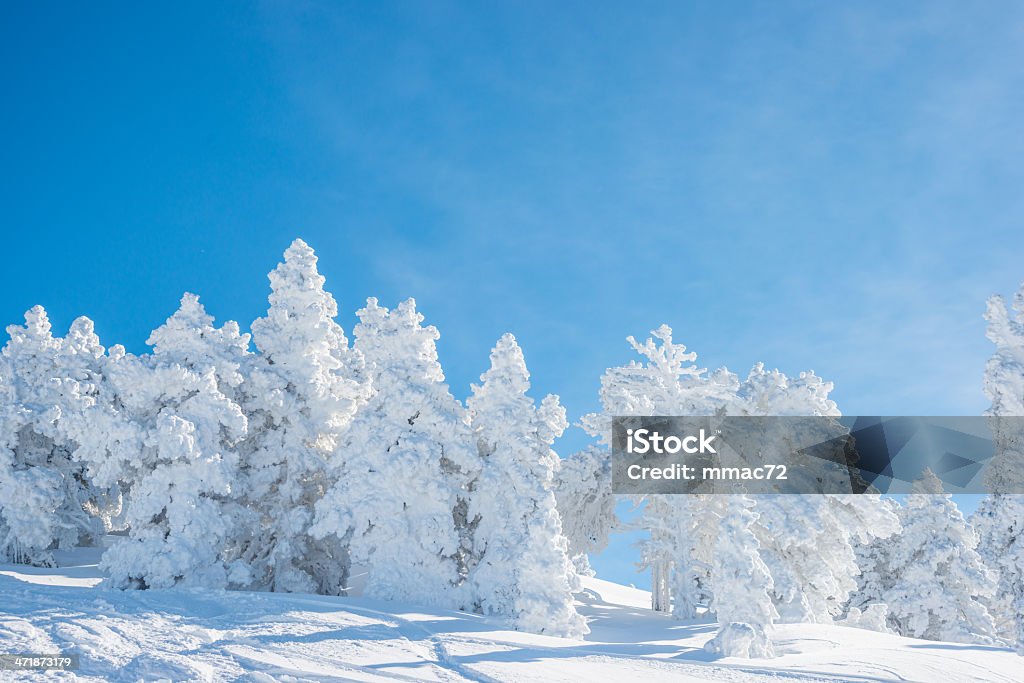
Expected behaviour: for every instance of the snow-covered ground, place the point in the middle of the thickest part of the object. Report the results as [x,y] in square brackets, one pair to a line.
[225,636]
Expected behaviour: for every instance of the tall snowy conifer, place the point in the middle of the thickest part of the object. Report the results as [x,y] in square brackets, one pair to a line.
[999,519]
[45,382]
[401,497]
[808,542]
[668,383]
[522,571]
[302,391]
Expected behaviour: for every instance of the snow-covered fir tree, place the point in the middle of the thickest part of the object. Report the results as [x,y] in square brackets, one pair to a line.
[45,382]
[668,383]
[181,474]
[934,582]
[809,541]
[999,519]
[586,504]
[401,498]
[741,600]
[521,570]
[301,392]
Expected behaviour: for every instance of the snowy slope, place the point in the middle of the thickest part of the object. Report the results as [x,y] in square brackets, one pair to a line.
[223,636]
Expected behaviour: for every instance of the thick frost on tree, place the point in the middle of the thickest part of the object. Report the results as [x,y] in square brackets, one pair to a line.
[687,525]
[301,392]
[586,504]
[874,576]
[741,601]
[999,519]
[522,570]
[401,496]
[935,580]
[44,383]
[180,468]
[807,541]
[667,383]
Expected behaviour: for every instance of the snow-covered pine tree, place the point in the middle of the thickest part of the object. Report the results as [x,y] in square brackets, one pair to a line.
[794,531]
[808,542]
[691,525]
[936,581]
[872,556]
[668,383]
[999,524]
[866,607]
[586,504]
[45,382]
[180,478]
[301,392]
[522,570]
[999,519]
[742,583]
[401,497]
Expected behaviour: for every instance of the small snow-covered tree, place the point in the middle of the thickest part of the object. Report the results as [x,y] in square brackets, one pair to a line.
[522,569]
[180,478]
[45,382]
[936,579]
[586,504]
[999,519]
[741,600]
[400,500]
[301,392]
[874,577]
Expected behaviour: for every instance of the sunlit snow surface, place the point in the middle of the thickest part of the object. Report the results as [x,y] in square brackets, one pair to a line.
[228,636]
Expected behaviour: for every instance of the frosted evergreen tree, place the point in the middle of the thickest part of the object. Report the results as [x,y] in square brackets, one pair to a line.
[999,519]
[808,542]
[300,395]
[400,500]
[181,476]
[522,570]
[689,525]
[668,383]
[190,339]
[875,575]
[44,383]
[936,579]
[741,601]
[586,504]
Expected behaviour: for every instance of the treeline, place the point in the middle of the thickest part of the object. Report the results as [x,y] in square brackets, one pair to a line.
[290,459]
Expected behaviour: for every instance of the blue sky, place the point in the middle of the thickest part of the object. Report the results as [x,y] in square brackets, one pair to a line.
[809,184]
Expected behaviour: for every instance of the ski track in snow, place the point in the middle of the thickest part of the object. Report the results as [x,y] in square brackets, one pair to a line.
[261,637]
